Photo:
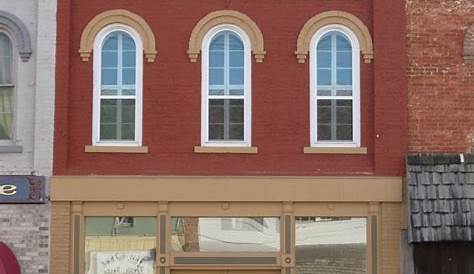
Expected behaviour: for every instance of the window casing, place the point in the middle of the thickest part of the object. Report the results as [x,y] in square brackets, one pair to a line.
[118,76]
[6,88]
[226,88]
[335,88]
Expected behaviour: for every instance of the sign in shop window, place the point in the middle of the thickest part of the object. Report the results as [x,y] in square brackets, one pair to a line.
[120,245]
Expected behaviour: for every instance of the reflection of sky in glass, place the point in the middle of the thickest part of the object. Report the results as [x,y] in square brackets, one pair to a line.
[322,231]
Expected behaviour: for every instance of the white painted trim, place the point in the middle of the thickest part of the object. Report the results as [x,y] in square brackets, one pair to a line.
[247,87]
[355,87]
[98,42]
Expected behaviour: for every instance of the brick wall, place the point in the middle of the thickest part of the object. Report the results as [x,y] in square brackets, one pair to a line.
[25,229]
[60,237]
[441,86]
[389,246]
[280,93]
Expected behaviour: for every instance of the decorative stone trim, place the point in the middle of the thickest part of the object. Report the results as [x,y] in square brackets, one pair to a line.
[237,150]
[16,27]
[118,16]
[468,46]
[226,17]
[334,17]
[335,150]
[115,149]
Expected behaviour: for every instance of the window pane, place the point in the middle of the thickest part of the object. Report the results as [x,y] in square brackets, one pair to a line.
[238,91]
[344,59]
[216,59]
[120,245]
[344,76]
[5,59]
[6,113]
[324,77]
[111,42]
[109,76]
[235,43]
[230,234]
[324,59]
[342,43]
[216,91]
[216,76]
[344,92]
[322,92]
[127,42]
[226,119]
[117,119]
[217,43]
[129,58]
[236,76]
[128,76]
[331,245]
[324,112]
[236,58]
[109,59]
[325,43]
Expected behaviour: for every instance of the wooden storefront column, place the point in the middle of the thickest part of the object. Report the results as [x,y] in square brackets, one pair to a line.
[288,239]
[163,244]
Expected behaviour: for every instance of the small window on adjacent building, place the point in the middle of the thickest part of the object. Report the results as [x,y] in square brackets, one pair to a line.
[118,87]
[335,114]
[6,88]
[226,87]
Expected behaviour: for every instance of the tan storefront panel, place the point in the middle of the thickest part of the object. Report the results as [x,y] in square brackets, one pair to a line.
[244,189]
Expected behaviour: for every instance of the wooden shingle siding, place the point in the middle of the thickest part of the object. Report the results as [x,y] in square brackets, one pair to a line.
[441,197]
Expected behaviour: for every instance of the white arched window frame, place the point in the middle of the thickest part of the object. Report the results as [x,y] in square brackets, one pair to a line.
[8,90]
[97,96]
[355,97]
[205,97]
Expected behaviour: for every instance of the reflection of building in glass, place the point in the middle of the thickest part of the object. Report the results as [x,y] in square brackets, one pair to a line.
[331,245]
[226,234]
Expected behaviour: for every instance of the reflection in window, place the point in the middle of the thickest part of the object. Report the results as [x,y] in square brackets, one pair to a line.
[334,88]
[120,245]
[117,97]
[331,245]
[242,234]
[6,87]
[226,92]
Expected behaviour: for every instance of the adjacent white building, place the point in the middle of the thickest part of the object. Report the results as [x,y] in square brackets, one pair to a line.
[27,81]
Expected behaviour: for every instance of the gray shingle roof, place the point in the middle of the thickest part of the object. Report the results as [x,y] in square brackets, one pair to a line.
[440,197]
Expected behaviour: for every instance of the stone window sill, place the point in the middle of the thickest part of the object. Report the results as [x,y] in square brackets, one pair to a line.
[11,149]
[236,150]
[115,149]
[335,150]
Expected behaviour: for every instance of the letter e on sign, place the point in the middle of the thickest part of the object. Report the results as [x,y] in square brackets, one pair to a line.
[7,190]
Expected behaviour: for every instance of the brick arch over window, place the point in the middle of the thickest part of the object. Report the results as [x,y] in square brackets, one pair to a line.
[231,17]
[119,16]
[469,43]
[17,28]
[334,17]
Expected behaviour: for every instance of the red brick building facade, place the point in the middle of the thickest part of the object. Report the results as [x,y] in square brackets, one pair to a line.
[280,176]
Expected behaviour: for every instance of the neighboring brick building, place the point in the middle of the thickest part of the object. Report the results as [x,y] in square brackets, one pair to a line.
[229,136]
[441,126]
[27,58]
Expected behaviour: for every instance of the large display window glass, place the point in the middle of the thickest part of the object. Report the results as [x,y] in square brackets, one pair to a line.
[331,245]
[120,245]
[227,234]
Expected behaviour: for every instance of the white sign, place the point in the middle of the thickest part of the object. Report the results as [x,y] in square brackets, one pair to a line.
[122,262]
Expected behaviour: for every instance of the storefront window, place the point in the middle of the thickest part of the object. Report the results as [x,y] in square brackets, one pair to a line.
[246,234]
[120,245]
[331,245]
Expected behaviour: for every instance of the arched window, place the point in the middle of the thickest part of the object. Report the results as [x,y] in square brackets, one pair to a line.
[226,87]
[335,87]
[6,87]
[118,63]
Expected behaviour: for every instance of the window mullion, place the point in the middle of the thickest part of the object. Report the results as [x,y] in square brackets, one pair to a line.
[226,85]
[119,84]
